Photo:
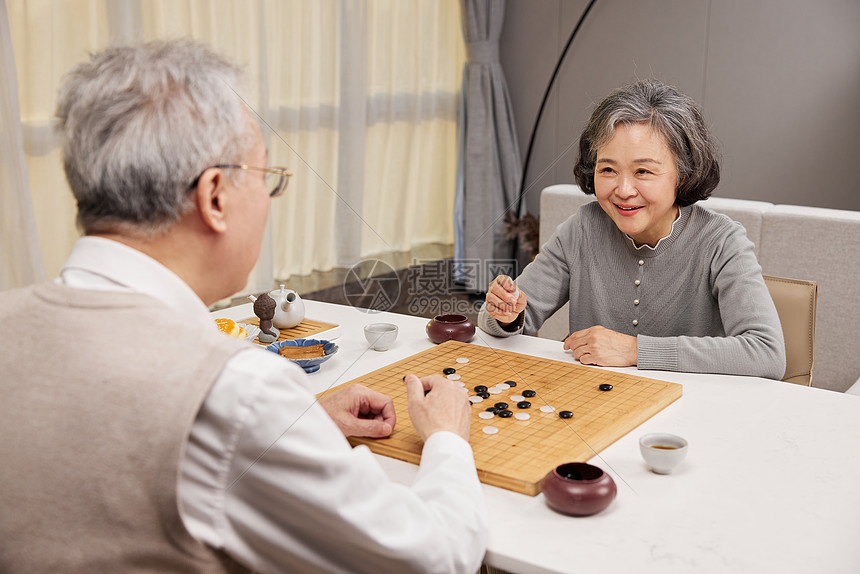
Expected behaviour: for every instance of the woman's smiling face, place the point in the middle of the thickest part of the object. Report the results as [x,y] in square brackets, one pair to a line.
[635,181]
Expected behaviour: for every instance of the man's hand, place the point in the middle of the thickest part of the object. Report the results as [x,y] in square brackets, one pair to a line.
[359,411]
[444,407]
[504,300]
[600,346]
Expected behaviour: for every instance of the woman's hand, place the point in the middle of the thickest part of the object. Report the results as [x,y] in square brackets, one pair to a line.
[504,300]
[600,346]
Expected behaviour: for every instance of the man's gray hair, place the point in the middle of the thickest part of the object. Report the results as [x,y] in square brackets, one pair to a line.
[140,123]
[666,111]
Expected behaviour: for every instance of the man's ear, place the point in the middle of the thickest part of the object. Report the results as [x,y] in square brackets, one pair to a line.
[211,199]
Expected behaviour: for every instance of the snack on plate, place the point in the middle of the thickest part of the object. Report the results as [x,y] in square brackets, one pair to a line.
[230,327]
[309,352]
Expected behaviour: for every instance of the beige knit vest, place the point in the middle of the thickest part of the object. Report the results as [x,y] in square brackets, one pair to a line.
[98,392]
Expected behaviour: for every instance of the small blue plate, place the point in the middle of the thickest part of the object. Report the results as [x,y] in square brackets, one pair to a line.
[309,365]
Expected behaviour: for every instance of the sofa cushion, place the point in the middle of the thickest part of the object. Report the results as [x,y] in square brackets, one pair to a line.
[747,213]
[557,203]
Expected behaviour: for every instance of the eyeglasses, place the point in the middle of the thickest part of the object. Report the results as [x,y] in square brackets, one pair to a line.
[276,177]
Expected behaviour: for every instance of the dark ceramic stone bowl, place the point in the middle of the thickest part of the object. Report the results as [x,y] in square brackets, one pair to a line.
[578,489]
[450,327]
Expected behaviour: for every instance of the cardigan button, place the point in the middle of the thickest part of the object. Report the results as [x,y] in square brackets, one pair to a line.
[635,301]
[637,283]
[641,262]
[635,322]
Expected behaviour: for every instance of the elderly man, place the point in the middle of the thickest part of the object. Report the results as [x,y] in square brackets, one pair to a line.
[136,437]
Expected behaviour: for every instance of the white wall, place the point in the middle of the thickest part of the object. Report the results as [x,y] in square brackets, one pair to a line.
[779,81]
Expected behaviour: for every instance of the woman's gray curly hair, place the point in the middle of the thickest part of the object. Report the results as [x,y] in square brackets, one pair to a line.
[668,112]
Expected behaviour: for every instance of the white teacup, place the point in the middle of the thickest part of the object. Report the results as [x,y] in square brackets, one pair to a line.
[380,335]
[663,452]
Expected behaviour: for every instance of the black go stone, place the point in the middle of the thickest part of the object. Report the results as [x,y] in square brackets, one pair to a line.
[565,414]
[605,387]
[505,413]
[511,383]
[448,371]
[484,395]
[501,405]
[529,394]
[523,405]
[493,410]
[481,389]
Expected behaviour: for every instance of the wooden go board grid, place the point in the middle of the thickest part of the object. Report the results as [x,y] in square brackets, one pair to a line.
[523,452]
[307,328]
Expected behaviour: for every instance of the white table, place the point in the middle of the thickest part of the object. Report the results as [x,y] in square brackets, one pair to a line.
[771,482]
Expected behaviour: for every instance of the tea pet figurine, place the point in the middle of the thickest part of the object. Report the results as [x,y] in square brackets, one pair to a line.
[264,308]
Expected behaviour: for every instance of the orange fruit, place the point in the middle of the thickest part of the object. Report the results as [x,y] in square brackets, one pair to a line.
[230,327]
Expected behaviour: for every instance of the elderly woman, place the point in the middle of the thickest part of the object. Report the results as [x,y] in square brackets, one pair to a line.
[653,279]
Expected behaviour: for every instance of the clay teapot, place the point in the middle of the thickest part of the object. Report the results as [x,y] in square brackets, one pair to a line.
[289,308]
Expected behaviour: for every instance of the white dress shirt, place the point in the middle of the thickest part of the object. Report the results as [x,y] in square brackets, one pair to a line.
[269,478]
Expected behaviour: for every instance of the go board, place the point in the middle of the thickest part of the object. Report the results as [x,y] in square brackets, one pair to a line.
[522,452]
[307,328]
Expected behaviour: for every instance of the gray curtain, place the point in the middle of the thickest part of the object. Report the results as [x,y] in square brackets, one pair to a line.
[489,170]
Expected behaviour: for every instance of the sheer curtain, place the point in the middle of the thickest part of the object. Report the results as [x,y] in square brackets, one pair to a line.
[364,97]
[20,258]
[359,97]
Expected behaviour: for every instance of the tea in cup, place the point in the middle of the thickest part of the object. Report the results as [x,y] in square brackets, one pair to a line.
[662,452]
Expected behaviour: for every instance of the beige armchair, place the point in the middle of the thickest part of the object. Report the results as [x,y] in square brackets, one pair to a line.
[795,302]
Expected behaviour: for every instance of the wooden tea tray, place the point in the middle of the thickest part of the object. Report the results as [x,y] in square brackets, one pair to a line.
[522,452]
[307,329]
